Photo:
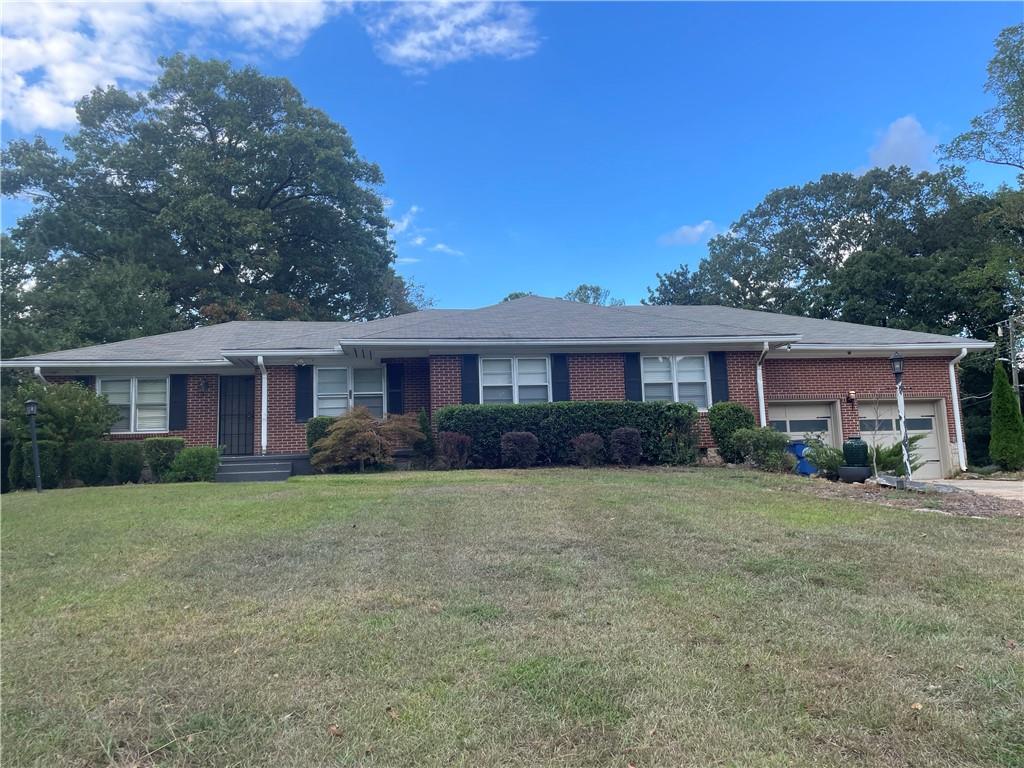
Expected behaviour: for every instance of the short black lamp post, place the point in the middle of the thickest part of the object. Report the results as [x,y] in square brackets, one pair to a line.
[896,361]
[31,408]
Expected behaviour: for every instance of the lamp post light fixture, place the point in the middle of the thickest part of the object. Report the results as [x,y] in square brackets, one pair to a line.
[896,361]
[31,408]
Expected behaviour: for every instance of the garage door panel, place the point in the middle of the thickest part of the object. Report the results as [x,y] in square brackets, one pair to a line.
[880,426]
[802,420]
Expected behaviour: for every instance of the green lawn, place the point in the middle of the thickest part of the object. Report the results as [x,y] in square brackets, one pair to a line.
[547,617]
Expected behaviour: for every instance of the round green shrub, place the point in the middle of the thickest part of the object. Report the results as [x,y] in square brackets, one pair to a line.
[765,448]
[316,428]
[90,461]
[195,465]
[725,419]
[126,462]
[160,453]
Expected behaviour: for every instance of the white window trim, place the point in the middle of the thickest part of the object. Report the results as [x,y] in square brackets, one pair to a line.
[515,374]
[675,378]
[133,388]
[350,377]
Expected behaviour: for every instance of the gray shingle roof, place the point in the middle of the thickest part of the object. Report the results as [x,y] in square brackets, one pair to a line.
[529,319]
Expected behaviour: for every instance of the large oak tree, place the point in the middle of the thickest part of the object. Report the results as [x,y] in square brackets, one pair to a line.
[218,194]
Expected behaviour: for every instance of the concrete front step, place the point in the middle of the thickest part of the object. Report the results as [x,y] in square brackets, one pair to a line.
[248,469]
[254,476]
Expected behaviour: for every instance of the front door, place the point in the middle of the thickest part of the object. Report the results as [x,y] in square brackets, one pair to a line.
[237,399]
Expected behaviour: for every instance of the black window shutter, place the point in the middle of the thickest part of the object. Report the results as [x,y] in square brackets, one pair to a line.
[559,377]
[89,382]
[303,393]
[719,377]
[470,380]
[634,384]
[177,419]
[396,396]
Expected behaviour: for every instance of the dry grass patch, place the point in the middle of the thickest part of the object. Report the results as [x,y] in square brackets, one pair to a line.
[547,617]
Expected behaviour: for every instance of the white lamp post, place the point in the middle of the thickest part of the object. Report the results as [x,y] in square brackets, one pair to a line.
[896,361]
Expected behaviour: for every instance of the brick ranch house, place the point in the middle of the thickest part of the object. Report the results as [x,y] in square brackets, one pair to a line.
[250,387]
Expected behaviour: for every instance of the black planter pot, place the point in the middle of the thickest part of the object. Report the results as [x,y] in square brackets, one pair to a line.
[854,474]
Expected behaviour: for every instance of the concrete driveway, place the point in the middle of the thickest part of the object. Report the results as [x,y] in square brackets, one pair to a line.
[1004,489]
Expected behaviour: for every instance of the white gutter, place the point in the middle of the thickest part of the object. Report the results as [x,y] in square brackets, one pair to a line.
[762,411]
[928,346]
[30,363]
[957,425]
[38,373]
[646,341]
[263,405]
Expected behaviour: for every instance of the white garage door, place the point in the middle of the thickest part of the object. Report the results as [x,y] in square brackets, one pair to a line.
[802,420]
[879,425]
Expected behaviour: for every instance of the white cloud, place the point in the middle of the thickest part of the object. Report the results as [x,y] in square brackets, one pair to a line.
[443,248]
[418,240]
[405,220]
[422,36]
[53,53]
[689,234]
[904,142]
[406,260]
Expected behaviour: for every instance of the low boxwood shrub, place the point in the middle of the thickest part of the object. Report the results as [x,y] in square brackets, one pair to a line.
[197,464]
[764,448]
[15,469]
[316,428]
[126,462]
[588,449]
[627,446]
[90,461]
[725,419]
[160,453]
[556,424]
[453,450]
[52,464]
[519,449]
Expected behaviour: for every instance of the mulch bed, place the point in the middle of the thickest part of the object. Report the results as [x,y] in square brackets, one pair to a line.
[960,502]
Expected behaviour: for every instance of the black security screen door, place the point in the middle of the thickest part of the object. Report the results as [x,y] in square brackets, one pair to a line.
[236,414]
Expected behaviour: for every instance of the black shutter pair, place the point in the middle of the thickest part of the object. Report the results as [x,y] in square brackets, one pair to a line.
[471,378]
[719,377]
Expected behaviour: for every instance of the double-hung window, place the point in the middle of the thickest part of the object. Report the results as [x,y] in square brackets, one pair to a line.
[677,378]
[141,402]
[515,380]
[339,388]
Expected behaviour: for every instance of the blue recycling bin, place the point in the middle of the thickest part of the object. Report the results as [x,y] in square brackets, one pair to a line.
[803,467]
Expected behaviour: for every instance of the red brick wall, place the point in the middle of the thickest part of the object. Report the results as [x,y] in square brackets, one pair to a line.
[597,376]
[415,382]
[445,381]
[871,378]
[741,370]
[284,434]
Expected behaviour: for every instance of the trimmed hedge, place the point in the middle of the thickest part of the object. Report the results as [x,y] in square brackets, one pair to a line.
[15,470]
[52,464]
[556,424]
[316,428]
[160,453]
[195,465]
[765,448]
[725,419]
[90,461]
[126,462]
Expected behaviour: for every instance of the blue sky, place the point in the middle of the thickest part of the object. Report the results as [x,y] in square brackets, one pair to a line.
[535,147]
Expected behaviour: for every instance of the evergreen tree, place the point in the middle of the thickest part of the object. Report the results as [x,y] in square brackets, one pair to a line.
[1006,446]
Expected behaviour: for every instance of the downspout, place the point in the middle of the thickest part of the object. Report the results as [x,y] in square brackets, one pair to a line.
[760,387]
[957,426]
[38,373]
[263,405]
